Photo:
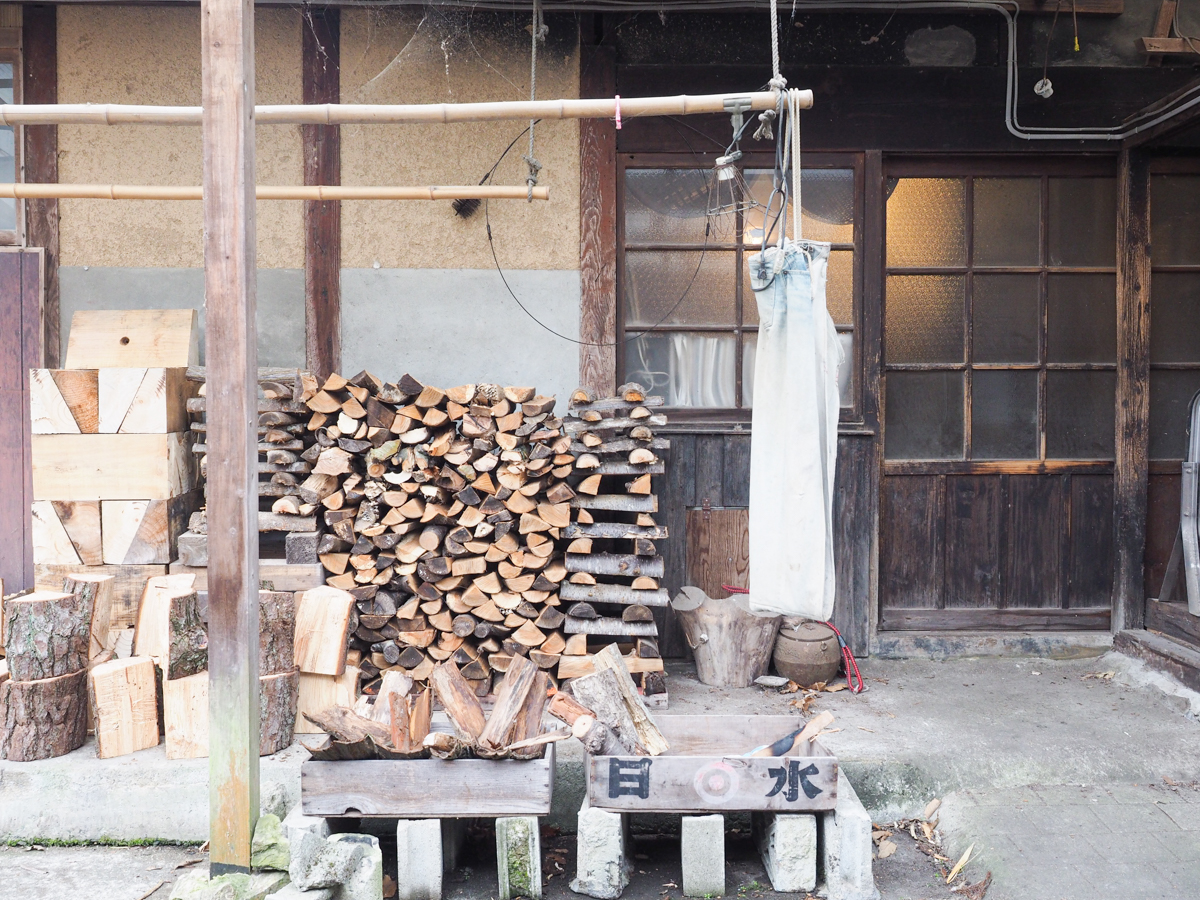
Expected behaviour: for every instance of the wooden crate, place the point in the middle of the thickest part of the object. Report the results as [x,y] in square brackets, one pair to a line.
[704,771]
[429,788]
[112,466]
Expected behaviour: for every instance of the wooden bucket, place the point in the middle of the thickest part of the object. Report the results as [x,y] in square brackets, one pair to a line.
[732,644]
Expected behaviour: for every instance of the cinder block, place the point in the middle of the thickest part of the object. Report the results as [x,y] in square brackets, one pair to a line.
[418,859]
[845,859]
[519,857]
[602,859]
[365,879]
[702,840]
[788,845]
[323,862]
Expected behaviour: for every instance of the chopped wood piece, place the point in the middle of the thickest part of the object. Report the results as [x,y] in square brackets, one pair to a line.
[600,692]
[576,645]
[636,613]
[640,485]
[510,697]
[43,718]
[100,590]
[580,545]
[641,455]
[459,701]
[319,692]
[582,578]
[47,634]
[124,702]
[528,635]
[322,626]
[578,666]
[647,648]
[648,734]
[644,583]
[583,611]
[550,619]
[554,643]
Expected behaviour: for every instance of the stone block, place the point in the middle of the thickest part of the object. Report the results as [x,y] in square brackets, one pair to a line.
[418,859]
[788,845]
[291,892]
[196,885]
[454,835]
[702,842]
[269,849]
[845,842]
[323,862]
[274,800]
[365,880]
[519,857]
[602,864]
[296,824]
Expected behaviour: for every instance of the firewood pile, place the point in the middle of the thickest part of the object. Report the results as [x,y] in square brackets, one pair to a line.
[443,508]
[614,565]
[284,436]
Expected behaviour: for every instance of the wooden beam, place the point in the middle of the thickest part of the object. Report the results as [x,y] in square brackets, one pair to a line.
[598,227]
[320,77]
[1161,45]
[1131,470]
[1162,27]
[227,50]
[39,37]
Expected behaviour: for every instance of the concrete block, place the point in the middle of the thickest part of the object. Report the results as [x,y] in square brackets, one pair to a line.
[845,842]
[519,857]
[702,840]
[274,800]
[297,823]
[788,845]
[291,892]
[602,859]
[269,849]
[454,835]
[365,881]
[323,863]
[418,859]
[197,886]
[300,547]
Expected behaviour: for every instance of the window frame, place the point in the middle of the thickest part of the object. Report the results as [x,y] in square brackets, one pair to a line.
[1078,166]
[16,237]
[739,418]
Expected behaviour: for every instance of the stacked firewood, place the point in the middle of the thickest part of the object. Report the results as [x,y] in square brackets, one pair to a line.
[283,437]
[615,566]
[443,509]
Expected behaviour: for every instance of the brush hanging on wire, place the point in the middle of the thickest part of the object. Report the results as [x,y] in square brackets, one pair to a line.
[729,196]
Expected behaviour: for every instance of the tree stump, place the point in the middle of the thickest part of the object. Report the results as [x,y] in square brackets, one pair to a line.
[732,645]
[44,718]
[276,633]
[47,634]
[99,590]
[278,699]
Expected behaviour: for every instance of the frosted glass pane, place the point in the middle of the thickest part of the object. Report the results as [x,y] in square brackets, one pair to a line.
[749,354]
[839,289]
[1083,221]
[1080,414]
[8,160]
[923,319]
[924,418]
[926,222]
[1081,318]
[1175,317]
[687,369]
[1007,213]
[685,287]
[1174,220]
[667,206]
[826,206]
[1170,401]
[1004,415]
[1005,312]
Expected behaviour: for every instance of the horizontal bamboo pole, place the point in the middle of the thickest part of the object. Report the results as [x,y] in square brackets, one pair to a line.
[371,114]
[269,192]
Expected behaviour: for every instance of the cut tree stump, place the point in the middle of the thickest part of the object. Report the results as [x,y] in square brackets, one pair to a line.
[732,644]
[44,718]
[47,634]
[124,701]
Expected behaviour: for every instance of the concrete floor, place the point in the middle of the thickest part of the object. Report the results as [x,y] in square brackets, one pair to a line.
[1061,781]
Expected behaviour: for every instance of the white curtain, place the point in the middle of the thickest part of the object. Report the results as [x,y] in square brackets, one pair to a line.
[794,447]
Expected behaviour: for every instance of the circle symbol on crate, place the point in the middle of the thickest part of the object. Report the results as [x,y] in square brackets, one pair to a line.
[716,783]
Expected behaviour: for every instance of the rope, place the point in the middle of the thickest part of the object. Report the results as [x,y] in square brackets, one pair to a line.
[538,31]
[777,83]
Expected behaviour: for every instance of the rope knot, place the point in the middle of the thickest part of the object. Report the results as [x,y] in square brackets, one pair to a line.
[765,132]
[531,179]
[777,83]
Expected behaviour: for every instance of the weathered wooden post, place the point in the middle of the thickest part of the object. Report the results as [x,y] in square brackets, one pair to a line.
[227,36]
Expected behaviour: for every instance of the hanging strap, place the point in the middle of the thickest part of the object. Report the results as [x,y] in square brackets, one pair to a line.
[794,137]
[538,31]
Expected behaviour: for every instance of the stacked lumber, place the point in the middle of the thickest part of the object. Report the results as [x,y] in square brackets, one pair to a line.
[114,481]
[284,436]
[444,508]
[614,564]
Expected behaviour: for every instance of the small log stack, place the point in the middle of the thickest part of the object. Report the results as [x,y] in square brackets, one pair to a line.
[444,508]
[283,438]
[615,568]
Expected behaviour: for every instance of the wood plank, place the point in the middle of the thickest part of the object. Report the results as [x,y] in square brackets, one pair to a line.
[994,619]
[1037,545]
[115,391]
[320,68]
[974,507]
[1165,45]
[322,626]
[133,338]
[1162,524]
[48,409]
[1091,541]
[597,226]
[128,584]
[735,488]
[185,717]
[912,541]
[79,389]
[113,466]
[144,532]
[1162,27]
[718,549]
[710,469]
[678,493]
[612,593]
[1173,620]
[1131,464]
[81,519]
[160,403]
[274,575]
[854,516]
[51,543]
[428,788]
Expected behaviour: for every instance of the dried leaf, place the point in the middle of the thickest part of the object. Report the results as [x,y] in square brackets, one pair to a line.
[790,688]
[886,849]
[878,836]
[928,829]
[819,686]
[930,809]
[834,688]
[958,866]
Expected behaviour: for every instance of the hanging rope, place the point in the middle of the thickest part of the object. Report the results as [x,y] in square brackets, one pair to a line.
[777,82]
[538,32]
[794,127]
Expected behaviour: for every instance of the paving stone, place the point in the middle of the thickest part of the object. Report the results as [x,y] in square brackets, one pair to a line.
[269,848]
[1127,818]
[702,844]
[1067,819]
[1046,849]
[602,858]
[418,859]
[788,846]
[518,857]
[1146,847]
[1184,845]
[1186,817]
[257,886]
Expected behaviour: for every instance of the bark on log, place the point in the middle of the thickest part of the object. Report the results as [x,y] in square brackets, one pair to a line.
[732,645]
[43,719]
[276,633]
[98,589]
[278,700]
[188,654]
[47,634]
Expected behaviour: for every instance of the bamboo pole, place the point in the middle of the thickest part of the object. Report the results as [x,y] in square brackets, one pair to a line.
[382,114]
[270,192]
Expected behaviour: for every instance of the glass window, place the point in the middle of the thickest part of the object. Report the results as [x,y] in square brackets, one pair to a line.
[688,312]
[1008,313]
[9,170]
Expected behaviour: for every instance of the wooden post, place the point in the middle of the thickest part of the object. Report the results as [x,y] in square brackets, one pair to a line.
[321,64]
[227,38]
[1131,469]
[598,227]
[40,85]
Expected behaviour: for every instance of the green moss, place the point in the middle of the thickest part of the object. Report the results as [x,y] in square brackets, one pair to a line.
[100,842]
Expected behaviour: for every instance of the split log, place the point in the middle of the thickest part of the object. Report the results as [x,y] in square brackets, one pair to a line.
[648,734]
[345,725]
[185,716]
[322,627]
[459,701]
[278,700]
[47,634]
[152,633]
[124,701]
[188,651]
[100,590]
[44,718]
[600,693]
[276,633]
[525,742]
[518,680]
[319,692]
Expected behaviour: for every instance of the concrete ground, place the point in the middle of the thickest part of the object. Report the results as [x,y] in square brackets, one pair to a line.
[1070,779]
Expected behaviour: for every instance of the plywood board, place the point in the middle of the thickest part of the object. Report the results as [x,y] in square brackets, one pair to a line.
[142,532]
[128,584]
[124,703]
[185,716]
[112,466]
[718,550]
[322,626]
[319,692]
[141,337]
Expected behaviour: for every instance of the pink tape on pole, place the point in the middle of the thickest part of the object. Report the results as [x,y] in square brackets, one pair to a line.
[618,96]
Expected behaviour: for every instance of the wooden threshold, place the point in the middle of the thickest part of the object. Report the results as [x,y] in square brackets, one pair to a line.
[995,619]
[1173,620]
